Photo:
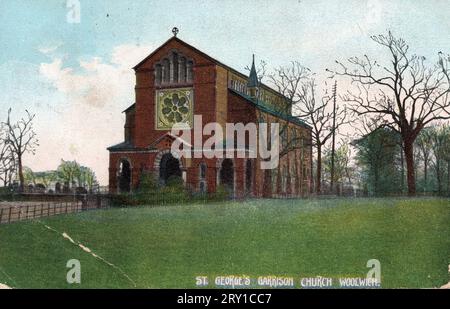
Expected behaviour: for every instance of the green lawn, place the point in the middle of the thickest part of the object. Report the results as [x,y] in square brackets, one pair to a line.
[167,247]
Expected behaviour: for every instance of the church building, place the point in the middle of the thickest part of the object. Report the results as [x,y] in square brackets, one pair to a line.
[176,82]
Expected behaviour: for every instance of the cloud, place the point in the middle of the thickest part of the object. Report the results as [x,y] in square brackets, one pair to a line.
[49,49]
[95,92]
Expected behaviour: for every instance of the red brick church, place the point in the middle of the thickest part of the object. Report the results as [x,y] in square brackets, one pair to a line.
[177,81]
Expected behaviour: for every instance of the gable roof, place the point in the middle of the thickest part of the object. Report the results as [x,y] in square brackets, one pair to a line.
[125,146]
[171,136]
[217,62]
[129,108]
[253,75]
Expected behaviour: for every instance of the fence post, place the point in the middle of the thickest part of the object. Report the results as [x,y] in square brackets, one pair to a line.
[20,213]
[9,216]
[1,215]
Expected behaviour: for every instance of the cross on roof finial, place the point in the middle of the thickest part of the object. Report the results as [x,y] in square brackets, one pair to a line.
[175,31]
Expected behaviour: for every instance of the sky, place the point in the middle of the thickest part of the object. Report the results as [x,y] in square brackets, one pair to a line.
[74,71]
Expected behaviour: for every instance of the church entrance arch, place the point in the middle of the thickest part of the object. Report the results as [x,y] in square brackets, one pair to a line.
[169,168]
[124,176]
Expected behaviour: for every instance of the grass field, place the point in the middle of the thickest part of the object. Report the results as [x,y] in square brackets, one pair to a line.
[167,247]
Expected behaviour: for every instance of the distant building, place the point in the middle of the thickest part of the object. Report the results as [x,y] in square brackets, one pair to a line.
[178,81]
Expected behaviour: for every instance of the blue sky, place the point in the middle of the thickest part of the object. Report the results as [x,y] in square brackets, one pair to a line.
[77,76]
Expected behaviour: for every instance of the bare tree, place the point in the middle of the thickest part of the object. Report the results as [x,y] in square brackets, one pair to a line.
[21,138]
[342,169]
[288,81]
[318,113]
[7,159]
[408,94]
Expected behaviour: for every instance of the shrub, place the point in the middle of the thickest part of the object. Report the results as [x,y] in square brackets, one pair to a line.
[147,182]
[150,192]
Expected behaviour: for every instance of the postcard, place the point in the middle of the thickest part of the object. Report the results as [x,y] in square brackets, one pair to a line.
[208,146]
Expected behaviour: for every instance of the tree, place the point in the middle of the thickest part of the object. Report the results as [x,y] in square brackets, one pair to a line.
[87,178]
[29,176]
[377,155]
[440,137]
[406,93]
[69,172]
[446,156]
[318,114]
[337,166]
[7,159]
[21,138]
[288,82]
[46,177]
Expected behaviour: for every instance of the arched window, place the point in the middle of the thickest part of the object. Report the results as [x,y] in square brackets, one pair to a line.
[284,179]
[202,187]
[174,67]
[182,70]
[166,71]
[158,74]
[202,170]
[202,177]
[189,73]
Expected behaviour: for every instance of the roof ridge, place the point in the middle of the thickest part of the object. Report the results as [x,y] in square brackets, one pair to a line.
[217,62]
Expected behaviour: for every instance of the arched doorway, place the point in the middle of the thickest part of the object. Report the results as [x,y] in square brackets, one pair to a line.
[227,175]
[124,176]
[169,167]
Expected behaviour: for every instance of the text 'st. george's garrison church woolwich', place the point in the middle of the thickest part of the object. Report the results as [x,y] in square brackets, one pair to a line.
[176,82]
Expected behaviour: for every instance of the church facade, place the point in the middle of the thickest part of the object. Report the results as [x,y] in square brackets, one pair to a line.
[177,82]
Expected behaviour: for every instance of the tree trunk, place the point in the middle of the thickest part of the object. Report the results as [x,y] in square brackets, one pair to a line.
[411,177]
[402,180]
[438,176]
[377,179]
[319,169]
[21,178]
[448,177]
[425,174]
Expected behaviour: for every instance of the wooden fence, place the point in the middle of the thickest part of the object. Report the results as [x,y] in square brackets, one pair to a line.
[31,210]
